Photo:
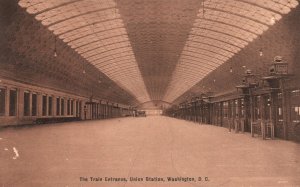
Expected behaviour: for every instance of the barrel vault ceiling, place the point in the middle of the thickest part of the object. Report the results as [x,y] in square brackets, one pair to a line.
[157,49]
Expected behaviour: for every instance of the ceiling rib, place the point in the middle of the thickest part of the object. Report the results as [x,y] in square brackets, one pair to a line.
[158,50]
[99,41]
[93,29]
[79,15]
[92,34]
[235,23]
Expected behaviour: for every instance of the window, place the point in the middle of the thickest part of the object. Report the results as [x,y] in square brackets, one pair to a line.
[50,106]
[267,106]
[34,105]
[62,102]
[295,93]
[231,109]
[68,107]
[57,106]
[295,114]
[12,102]
[295,104]
[26,103]
[2,101]
[225,109]
[72,107]
[256,105]
[242,108]
[77,109]
[44,105]
[236,106]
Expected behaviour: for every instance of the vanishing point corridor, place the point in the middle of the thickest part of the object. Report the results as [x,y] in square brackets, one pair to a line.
[59,154]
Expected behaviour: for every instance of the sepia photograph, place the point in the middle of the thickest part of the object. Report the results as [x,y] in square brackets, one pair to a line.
[149,93]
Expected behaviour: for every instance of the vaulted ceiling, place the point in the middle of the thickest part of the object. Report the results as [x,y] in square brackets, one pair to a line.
[157,49]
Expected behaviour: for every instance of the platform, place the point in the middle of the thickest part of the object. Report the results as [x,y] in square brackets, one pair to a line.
[67,154]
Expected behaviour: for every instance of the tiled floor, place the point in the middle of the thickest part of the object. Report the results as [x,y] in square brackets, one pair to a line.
[154,147]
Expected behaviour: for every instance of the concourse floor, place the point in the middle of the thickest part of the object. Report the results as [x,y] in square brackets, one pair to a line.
[152,149]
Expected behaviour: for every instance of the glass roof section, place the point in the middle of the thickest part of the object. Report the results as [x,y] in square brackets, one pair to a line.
[222,28]
[95,30]
[157,54]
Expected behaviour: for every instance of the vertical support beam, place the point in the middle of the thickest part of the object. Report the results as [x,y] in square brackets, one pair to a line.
[229,116]
[106,110]
[65,106]
[59,111]
[55,99]
[100,109]
[211,112]
[47,105]
[221,114]
[263,117]
[39,104]
[251,111]
[90,111]
[97,110]
[7,101]
[284,109]
[273,110]
[53,105]
[74,108]
[30,103]
[20,103]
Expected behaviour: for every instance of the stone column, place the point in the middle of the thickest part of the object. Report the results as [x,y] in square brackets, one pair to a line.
[20,103]
[30,104]
[53,106]
[65,106]
[39,104]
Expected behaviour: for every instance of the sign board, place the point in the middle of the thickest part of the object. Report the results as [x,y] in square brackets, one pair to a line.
[281,68]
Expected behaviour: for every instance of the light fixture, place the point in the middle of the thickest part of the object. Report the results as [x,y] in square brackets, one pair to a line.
[260,52]
[83,71]
[55,54]
[272,20]
[231,70]
[99,80]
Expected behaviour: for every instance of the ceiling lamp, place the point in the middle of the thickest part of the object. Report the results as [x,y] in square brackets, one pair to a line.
[55,54]
[83,71]
[272,20]
[260,52]
[99,80]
